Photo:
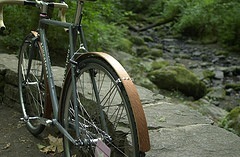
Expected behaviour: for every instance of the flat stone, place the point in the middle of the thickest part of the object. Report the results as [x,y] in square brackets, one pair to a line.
[201,140]
[219,74]
[176,130]
[168,115]
[9,61]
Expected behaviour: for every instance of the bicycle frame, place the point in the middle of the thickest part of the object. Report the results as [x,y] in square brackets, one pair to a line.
[73,29]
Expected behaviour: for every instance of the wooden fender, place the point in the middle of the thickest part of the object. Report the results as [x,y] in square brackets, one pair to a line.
[140,119]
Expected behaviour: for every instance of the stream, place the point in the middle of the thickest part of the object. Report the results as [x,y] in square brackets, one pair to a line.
[222,66]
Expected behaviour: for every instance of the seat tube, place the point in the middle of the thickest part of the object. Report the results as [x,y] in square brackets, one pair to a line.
[49,74]
[74,89]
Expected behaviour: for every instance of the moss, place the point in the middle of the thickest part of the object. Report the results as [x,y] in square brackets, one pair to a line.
[137,40]
[156,53]
[216,93]
[125,45]
[148,39]
[208,74]
[159,64]
[235,86]
[221,52]
[231,121]
[142,51]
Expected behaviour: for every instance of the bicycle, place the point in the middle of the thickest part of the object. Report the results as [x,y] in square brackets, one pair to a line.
[99,110]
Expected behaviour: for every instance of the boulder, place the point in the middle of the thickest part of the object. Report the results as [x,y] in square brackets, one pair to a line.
[178,78]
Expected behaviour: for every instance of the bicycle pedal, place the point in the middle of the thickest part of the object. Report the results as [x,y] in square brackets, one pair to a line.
[49,122]
[24,120]
[46,122]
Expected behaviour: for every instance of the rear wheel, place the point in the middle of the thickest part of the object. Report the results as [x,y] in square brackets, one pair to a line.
[104,111]
[32,85]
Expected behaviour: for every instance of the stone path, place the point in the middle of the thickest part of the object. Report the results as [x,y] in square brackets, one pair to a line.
[175,129]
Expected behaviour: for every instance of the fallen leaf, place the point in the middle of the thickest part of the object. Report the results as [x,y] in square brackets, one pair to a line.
[57,142]
[7,146]
[55,145]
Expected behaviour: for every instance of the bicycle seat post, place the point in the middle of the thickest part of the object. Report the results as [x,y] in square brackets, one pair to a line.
[78,16]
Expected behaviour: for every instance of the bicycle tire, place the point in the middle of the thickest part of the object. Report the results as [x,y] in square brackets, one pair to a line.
[124,134]
[32,88]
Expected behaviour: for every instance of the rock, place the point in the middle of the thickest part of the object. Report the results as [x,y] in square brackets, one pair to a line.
[194,141]
[180,79]
[208,109]
[168,115]
[137,40]
[219,75]
[142,51]
[197,54]
[125,45]
[159,64]
[216,93]
[11,77]
[148,39]
[155,53]
[2,83]
[208,74]
[234,86]
[2,69]
[11,92]
[221,52]
[145,82]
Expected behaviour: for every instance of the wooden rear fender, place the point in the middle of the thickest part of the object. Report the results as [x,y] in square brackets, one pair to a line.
[140,119]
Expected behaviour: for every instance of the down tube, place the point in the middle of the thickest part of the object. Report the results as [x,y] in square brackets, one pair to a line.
[47,62]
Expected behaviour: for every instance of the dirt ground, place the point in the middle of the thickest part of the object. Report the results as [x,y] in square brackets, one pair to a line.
[15,140]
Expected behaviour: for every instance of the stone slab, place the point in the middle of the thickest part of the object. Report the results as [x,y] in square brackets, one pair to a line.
[164,114]
[201,140]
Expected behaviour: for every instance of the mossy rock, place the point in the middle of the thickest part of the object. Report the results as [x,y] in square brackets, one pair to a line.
[231,121]
[148,39]
[137,40]
[208,74]
[159,64]
[235,86]
[178,78]
[216,93]
[156,53]
[221,52]
[142,51]
[145,82]
[125,45]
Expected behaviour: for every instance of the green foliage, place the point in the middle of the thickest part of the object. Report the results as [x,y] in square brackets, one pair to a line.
[18,20]
[137,6]
[101,26]
[231,121]
[211,18]
[100,23]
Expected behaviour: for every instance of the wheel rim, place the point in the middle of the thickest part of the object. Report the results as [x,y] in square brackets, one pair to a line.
[31,89]
[115,111]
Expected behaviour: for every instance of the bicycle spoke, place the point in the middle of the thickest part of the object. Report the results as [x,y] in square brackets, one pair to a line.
[31,84]
[102,110]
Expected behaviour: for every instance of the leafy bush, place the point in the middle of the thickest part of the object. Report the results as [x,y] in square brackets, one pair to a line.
[18,20]
[213,19]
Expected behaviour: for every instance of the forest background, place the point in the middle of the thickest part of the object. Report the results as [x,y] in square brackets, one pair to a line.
[108,25]
[107,22]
